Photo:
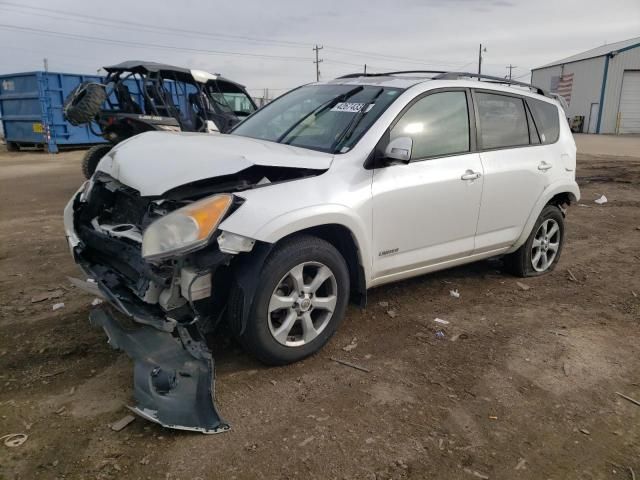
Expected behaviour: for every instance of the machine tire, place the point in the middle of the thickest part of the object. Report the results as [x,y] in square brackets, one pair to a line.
[92,158]
[13,147]
[84,103]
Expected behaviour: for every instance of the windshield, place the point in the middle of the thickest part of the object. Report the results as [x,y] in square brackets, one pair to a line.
[230,99]
[329,118]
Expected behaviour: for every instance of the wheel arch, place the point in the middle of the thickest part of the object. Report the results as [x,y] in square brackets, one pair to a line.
[247,267]
[555,194]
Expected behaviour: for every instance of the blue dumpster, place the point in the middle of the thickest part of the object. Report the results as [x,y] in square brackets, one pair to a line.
[31,110]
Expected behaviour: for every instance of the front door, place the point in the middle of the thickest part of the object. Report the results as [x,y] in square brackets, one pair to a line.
[425,212]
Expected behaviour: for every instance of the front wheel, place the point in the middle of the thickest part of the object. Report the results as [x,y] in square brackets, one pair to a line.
[541,252]
[301,299]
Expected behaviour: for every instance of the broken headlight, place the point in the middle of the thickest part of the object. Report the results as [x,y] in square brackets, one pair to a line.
[186,229]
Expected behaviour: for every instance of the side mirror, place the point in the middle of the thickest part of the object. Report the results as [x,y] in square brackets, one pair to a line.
[399,149]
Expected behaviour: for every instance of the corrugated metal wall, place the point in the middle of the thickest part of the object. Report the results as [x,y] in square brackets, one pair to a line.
[627,60]
[587,84]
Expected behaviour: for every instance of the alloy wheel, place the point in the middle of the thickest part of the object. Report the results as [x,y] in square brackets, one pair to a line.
[545,245]
[302,304]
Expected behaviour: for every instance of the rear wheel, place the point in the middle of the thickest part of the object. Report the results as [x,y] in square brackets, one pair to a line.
[301,300]
[13,147]
[92,158]
[541,252]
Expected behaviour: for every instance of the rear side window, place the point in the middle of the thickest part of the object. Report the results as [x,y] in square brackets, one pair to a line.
[438,124]
[547,120]
[503,121]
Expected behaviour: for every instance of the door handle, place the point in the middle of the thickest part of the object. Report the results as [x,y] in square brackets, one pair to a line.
[544,166]
[470,175]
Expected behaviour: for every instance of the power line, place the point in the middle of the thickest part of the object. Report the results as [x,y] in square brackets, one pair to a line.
[510,68]
[404,60]
[128,24]
[146,45]
[111,22]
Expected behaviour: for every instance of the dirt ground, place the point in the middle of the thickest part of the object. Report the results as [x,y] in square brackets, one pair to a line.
[522,386]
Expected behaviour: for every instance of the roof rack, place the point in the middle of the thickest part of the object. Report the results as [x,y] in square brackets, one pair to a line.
[442,75]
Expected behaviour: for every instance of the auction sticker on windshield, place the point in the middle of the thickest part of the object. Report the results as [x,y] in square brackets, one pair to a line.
[348,107]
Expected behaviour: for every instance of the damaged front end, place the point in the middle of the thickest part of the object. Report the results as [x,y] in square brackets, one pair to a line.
[168,300]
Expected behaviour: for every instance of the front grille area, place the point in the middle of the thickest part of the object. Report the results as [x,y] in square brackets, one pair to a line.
[111,203]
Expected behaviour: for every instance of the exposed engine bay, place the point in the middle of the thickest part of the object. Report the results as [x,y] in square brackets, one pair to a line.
[173,302]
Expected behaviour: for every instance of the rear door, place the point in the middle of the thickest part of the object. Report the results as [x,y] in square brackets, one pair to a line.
[518,161]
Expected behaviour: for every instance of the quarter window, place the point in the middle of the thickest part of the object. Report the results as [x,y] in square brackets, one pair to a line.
[503,121]
[547,120]
[438,124]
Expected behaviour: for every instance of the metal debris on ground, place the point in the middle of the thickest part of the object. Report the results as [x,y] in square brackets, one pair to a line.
[57,306]
[351,346]
[392,313]
[440,335]
[383,304]
[558,333]
[349,364]
[13,440]
[632,400]
[41,297]
[523,286]
[476,474]
[572,277]
[602,200]
[122,423]
[454,293]
[459,336]
[439,320]
[520,465]
[306,441]
[96,301]
[585,431]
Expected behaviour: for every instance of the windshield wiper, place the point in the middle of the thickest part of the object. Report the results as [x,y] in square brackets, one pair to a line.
[355,121]
[319,109]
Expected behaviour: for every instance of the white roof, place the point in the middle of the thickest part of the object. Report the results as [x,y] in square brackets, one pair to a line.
[595,52]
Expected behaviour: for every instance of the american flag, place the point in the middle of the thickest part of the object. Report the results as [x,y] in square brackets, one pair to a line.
[565,85]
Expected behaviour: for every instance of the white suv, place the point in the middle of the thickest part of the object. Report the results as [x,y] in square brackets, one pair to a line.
[332,189]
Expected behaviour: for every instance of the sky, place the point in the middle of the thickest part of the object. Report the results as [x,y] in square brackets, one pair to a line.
[270,44]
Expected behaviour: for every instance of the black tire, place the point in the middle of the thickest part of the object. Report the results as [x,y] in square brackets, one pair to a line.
[92,158]
[257,338]
[13,147]
[519,263]
[83,103]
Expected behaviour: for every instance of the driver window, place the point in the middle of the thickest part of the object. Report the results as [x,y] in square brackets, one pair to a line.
[438,124]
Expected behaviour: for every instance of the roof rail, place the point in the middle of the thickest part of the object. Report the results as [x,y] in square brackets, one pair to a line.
[385,74]
[442,75]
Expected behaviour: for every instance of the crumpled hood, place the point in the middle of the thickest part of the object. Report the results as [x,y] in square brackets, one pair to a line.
[155,162]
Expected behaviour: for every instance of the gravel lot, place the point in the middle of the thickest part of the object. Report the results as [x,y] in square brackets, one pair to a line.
[522,386]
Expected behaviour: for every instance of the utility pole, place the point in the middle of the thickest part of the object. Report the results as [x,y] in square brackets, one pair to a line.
[480,50]
[46,64]
[317,61]
[511,68]
[365,68]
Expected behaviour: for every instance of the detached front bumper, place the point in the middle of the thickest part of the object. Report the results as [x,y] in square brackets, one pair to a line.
[173,367]
[173,377]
